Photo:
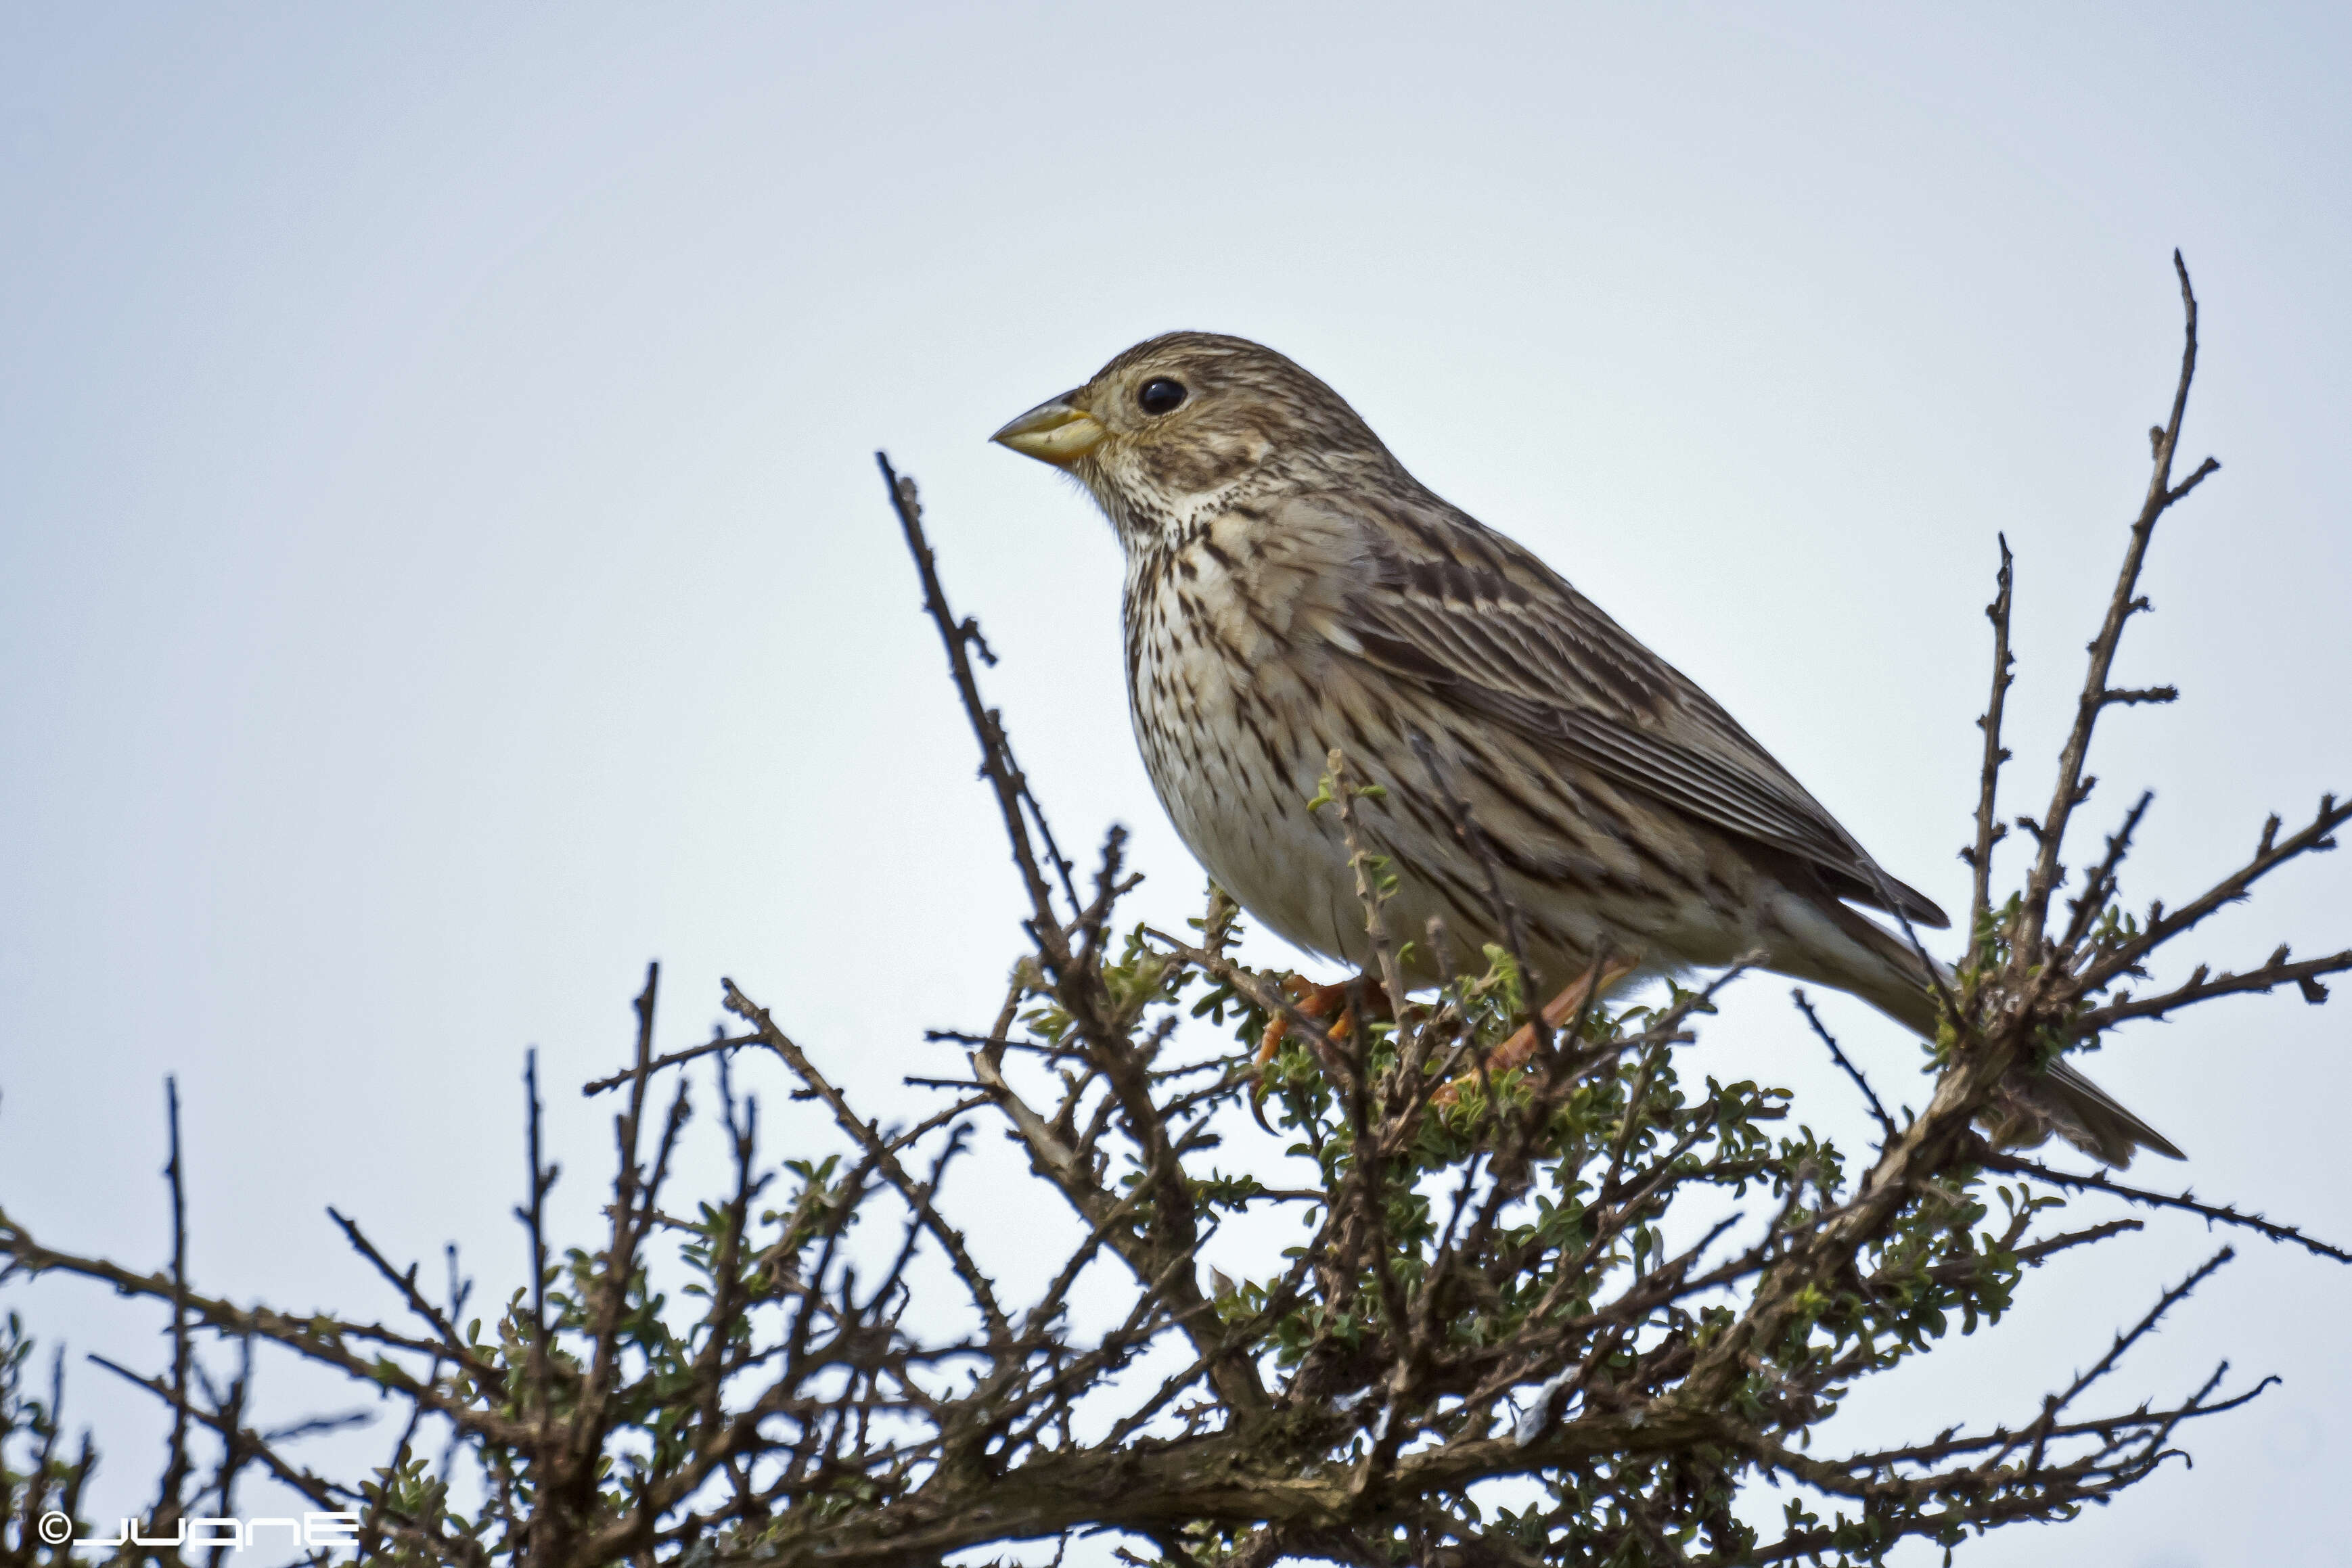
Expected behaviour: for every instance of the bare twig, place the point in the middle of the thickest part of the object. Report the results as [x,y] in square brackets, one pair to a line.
[2097,694]
[1820,1031]
[176,1466]
[1990,830]
[1004,776]
[2218,1214]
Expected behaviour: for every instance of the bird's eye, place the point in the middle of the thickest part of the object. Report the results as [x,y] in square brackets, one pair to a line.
[1159,395]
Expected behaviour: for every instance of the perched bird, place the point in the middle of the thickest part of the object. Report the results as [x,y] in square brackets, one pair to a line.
[1291,588]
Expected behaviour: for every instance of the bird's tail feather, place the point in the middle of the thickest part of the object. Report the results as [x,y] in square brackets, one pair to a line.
[2058,1099]
[2114,1132]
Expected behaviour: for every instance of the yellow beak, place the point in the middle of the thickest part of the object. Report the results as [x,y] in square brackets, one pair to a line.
[1057,432]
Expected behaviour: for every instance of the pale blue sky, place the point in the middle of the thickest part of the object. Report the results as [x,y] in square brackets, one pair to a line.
[441,563]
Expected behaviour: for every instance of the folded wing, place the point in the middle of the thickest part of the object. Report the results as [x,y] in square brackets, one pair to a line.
[1448,604]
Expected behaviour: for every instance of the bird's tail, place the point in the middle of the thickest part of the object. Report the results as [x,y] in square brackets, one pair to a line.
[2058,1099]
[2088,1117]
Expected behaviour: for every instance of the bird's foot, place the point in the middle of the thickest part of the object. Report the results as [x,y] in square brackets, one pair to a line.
[1335,1008]
[1580,993]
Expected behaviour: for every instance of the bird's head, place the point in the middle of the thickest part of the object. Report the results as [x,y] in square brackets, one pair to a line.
[1185,424]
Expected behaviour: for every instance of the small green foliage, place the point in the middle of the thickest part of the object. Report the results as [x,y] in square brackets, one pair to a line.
[1327,792]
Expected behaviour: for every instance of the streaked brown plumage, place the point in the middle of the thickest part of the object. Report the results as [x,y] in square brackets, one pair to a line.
[1291,588]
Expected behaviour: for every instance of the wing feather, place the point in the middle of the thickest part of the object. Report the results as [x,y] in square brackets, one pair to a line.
[1461,611]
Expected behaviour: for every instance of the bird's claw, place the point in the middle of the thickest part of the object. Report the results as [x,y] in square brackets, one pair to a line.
[1585,991]
[1330,1007]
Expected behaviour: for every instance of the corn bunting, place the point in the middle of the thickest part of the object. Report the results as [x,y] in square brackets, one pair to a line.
[1291,589]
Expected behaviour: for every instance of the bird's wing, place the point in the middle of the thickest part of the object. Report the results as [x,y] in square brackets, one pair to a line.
[1444,601]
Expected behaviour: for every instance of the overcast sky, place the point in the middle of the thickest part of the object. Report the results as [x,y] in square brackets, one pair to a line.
[442,565]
